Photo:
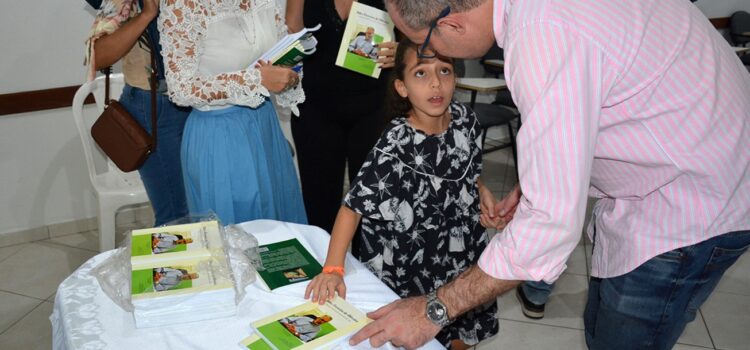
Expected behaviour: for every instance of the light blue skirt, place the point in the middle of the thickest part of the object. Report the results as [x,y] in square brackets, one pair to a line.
[237,163]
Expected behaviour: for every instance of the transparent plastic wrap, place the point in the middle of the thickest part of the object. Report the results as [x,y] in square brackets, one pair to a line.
[188,270]
[242,248]
[113,275]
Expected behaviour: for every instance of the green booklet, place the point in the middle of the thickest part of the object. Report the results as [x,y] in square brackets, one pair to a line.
[285,263]
[307,326]
[366,28]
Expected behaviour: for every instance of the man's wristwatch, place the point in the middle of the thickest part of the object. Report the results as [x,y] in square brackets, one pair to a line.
[437,312]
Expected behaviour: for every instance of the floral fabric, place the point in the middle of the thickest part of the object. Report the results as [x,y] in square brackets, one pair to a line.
[419,201]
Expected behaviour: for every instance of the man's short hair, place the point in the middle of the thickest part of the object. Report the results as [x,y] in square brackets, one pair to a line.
[418,14]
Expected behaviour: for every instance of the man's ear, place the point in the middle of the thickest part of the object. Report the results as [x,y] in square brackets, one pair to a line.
[400,88]
[453,22]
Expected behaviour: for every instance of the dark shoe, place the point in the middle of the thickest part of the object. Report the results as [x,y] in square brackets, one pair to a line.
[529,309]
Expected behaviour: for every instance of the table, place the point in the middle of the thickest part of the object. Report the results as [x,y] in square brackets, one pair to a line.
[85,318]
[476,85]
[497,63]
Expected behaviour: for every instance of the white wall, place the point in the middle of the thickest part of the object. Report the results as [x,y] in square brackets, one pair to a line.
[42,170]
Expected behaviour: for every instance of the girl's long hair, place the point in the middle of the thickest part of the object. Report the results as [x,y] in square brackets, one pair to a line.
[399,106]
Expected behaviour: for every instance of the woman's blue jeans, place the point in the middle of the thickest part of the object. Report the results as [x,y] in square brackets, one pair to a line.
[162,172]
[649,307]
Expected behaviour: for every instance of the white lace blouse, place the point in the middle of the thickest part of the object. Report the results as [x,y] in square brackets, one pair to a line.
[209,45]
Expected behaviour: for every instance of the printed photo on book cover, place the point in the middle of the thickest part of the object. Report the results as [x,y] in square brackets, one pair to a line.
[295,275]
[164,278]
[309,325]
[165,242]
[364,44]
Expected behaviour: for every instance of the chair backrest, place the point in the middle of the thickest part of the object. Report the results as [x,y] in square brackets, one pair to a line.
[739,23]
[495,53]
[91,152]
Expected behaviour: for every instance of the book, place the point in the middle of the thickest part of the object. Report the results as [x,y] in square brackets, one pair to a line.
[169,243]
[365,28]
[180,277]
[307,326]
[286,262]
[180,273]
[291,49]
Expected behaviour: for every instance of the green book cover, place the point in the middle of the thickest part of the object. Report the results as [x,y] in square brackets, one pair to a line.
[290,57]
[285,263]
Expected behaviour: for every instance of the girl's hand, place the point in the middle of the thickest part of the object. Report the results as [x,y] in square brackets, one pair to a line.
[387,54]
[150,8]
[324,286]
[487,202]
[277,79]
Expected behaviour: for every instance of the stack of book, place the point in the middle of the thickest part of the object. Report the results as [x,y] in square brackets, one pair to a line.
[180,274]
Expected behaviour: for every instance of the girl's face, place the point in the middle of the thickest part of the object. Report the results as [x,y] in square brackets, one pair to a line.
[428,84]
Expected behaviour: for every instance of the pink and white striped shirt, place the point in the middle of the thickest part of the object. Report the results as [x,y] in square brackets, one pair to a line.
[639,103]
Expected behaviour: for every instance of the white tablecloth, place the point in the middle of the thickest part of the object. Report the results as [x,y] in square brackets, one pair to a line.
[85,318]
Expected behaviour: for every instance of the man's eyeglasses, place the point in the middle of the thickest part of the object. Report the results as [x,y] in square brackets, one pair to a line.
[421,51]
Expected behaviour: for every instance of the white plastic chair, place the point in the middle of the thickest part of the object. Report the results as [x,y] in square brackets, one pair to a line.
[114,189]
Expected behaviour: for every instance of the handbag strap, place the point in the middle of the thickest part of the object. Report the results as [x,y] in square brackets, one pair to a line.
[153,80]
[106,71]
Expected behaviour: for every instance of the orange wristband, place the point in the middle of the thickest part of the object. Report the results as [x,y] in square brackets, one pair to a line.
[339,270]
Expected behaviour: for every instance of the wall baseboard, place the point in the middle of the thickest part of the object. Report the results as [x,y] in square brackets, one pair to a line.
[140,216]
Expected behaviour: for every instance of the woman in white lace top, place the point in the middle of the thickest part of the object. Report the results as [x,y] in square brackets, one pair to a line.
[236,161]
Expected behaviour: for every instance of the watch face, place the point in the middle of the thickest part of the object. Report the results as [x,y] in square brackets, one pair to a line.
[435,311]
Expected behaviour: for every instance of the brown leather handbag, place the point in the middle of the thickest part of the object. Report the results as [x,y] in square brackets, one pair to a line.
[119,135]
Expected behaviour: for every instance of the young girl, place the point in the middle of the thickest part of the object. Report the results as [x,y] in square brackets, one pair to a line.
[418,196]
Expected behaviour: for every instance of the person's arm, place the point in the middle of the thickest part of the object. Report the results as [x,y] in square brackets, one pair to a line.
[325,285]
[343,231]
[110,48]
[354,44]
[294,15]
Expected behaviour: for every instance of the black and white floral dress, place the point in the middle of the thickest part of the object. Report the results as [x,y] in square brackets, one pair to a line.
[419,201]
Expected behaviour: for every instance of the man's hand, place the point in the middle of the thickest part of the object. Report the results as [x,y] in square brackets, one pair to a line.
[506,207]
[403,322]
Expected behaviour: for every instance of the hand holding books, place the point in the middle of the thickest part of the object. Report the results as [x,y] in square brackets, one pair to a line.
[387,54]
[277,78]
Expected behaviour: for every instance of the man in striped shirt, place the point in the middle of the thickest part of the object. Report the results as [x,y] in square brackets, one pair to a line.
[641,104]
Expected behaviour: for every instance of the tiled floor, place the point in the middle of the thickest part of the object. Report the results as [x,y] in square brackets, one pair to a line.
[31,272]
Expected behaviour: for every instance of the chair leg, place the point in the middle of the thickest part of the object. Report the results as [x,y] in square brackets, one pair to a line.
[484,136]
[513,147]
[106,226]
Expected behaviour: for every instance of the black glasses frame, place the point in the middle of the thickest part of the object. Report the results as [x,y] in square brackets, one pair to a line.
[420,51]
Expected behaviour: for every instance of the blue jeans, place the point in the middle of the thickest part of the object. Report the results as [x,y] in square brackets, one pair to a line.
[649,307]
[537,292]
[162,172]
